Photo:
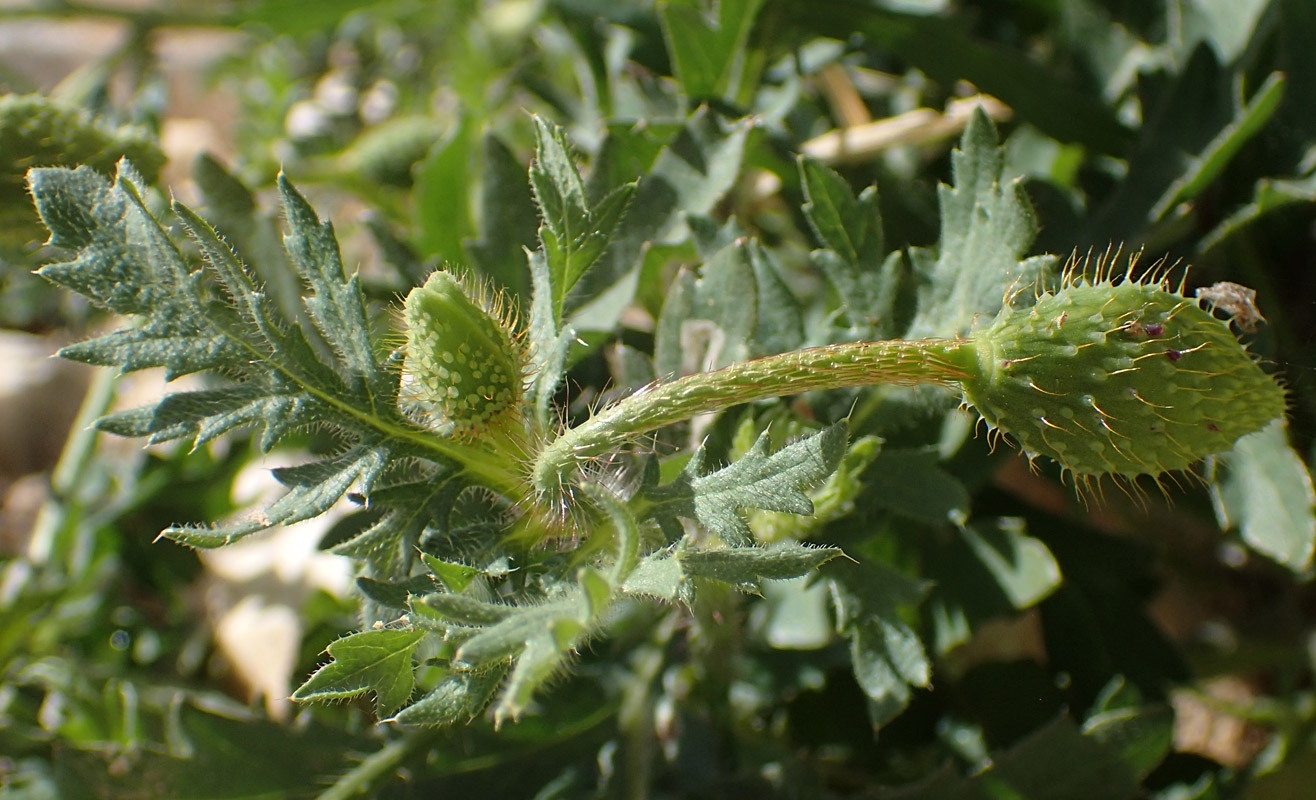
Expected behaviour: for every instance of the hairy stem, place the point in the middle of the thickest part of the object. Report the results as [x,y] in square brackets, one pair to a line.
[897,362]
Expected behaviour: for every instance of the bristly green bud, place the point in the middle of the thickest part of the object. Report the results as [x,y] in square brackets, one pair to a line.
[1125,378]
[465,364]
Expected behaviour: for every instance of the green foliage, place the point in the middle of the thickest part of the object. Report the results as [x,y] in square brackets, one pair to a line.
[986,229]
[773,482]
[375,660]
[36,131]
[654,484]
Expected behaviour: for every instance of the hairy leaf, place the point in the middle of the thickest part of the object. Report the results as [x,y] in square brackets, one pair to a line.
[746,567]
[854,258]
[772,482]
[986,228]
[283,371]
[575,230]
[40,131]
[457,698]
[375,660]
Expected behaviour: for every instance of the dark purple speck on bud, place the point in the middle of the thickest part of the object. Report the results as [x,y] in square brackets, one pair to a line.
[1173,355]
[1211,426]
[1153,329]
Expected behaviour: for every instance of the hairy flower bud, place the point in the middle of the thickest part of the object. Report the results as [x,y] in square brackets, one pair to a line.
[1118,378]
[464,365]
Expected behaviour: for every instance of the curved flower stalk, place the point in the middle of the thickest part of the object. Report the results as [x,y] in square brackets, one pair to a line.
[1109,376]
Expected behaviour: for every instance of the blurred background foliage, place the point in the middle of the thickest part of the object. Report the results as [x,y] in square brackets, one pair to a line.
[1177,127]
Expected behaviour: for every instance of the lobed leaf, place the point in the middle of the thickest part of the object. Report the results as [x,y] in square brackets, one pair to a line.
[314,489]
[746,567]
[772,482]
[887,655]
[986,228]
[866,278]
[575,231]
[375,660]
[284,368]
[42,131]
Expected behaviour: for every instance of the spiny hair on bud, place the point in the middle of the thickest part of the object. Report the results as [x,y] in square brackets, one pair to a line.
[1109,266]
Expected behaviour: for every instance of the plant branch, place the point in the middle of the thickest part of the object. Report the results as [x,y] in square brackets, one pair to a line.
[897,362]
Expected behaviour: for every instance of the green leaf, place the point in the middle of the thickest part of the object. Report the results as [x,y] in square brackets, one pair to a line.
[405,511]
[314,489]
[851,231]
[455,577]
[1021,565]
[726,294]
[542,657]
[573,235]
[595,592]
[457,698]
[987,569]
[772,482]
[1141,737]
[575,231]
[1055,760]
[1269,195]
[866,278]
[375,660]
[746,567]
[511,635]
[941,47]
[254,232]
[214,749]
[536,640]
[395,595]
[657,575]
[985,230]
[201,416]
[798,614]
[691,174]
[336,303]
[41,131]
[1263,488]
[887,655]
[1194,124]
[780,320]
[281,371]
[443,194]
[1228,25]
[1206,166]
[669,353]
[704,51]
[850,228]
[549,344]
[388,152]
[505,222]
[124,262]
[914,484]
[465,610]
